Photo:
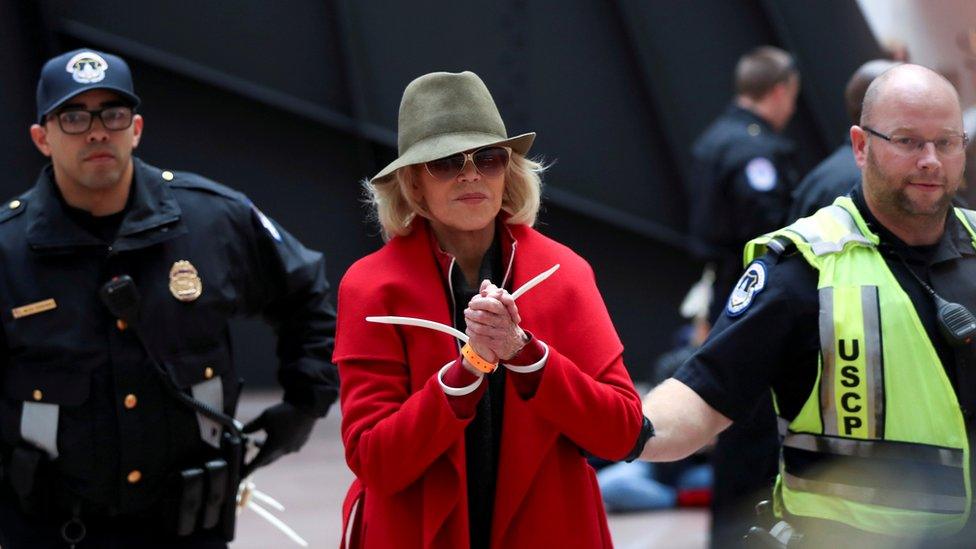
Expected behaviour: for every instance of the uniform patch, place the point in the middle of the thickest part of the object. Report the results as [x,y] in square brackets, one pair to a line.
[752,282]
[272,230]
[761,174]
[87,67]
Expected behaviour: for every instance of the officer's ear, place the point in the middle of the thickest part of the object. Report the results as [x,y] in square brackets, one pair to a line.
[859,144]
[137,123]
[39,136]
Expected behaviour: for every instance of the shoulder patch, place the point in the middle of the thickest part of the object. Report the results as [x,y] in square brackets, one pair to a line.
[761,174]
[749,285]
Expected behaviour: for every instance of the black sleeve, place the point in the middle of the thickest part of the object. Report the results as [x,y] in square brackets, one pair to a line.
[286,284]
[770,343]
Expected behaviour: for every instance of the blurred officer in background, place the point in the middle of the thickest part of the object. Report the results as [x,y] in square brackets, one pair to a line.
[743,170]
[859,319]
[838,173]
[115,421]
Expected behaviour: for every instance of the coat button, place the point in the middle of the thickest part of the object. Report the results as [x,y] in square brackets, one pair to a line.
[208,372]
[14,204]
[121,325]
[37,394]
[167,175]
[134,476]
[130,401]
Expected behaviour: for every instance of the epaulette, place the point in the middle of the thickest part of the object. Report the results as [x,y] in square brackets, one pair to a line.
[779,247]
[192,181]
[12,208]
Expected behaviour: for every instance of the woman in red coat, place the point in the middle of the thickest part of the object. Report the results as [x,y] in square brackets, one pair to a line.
[483,445]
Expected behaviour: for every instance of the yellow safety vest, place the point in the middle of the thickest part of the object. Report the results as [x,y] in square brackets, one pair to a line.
[880,443]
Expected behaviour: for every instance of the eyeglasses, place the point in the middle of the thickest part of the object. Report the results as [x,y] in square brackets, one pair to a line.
[77,121]
[490,162]
[946,145]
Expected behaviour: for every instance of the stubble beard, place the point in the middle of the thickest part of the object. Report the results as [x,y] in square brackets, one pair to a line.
[891,193]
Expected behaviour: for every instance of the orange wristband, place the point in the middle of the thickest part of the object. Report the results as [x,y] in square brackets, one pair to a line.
[475,360]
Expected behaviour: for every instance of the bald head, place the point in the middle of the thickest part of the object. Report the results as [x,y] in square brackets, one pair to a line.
[907,85]
[907,147]
[859,82]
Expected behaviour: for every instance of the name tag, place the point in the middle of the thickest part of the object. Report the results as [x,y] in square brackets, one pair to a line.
[34,308]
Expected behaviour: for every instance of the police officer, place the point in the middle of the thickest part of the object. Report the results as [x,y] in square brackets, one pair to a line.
[860,320]
[744,172]
[99,447]
[838,173]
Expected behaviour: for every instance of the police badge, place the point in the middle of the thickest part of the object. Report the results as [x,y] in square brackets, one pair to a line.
[184,282]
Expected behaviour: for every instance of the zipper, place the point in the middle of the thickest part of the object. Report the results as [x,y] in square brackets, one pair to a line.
[511,261]
[450,288]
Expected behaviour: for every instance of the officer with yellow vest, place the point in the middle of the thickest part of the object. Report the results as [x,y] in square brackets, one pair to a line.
[859,320]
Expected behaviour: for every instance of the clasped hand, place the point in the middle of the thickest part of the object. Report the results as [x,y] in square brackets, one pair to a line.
[492,320]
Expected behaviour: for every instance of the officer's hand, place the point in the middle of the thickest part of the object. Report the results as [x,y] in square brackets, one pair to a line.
[288,429]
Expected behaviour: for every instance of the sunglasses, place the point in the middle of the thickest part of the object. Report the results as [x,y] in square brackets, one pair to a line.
[489,161]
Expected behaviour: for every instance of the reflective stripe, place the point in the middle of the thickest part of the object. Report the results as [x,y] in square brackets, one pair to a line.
[969,217]
[828,412]
[915,501]
[852,397]
[783,426]
[39,426]
[874,359]
[812,232]
[876,449]
[211,393]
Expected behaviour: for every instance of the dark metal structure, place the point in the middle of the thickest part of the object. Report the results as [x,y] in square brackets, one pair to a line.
[295,101]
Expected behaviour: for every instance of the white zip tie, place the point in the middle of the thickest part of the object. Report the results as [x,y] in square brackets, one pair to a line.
[409,321]
[277,523]
[246,496]
[258,494]
[430,324]
[534,282]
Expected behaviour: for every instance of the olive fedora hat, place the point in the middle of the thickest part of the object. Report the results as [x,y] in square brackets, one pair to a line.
[445,113]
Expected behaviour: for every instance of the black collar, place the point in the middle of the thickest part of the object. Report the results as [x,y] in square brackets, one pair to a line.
[954,243]
[150,209]
[748,116]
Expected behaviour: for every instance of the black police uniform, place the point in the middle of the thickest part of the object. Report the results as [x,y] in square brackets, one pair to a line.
[737,197]
[744,174]
[121,437]
[835,176]
[775,342]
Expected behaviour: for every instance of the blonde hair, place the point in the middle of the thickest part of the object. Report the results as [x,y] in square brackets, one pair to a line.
[394,209]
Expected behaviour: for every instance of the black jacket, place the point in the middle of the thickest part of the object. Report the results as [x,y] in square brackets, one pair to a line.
[79,357]
[835,176]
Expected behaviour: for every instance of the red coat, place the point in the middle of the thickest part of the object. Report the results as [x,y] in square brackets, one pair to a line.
[406,445]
